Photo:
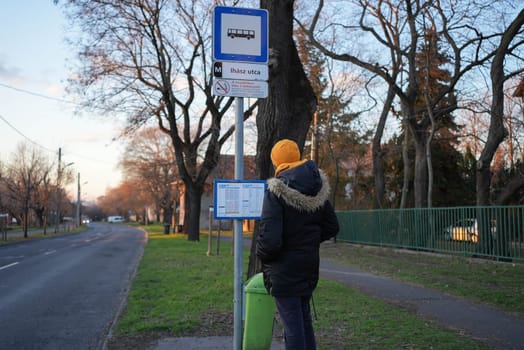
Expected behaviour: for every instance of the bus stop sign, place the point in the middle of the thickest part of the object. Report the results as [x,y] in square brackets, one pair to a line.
[240,34]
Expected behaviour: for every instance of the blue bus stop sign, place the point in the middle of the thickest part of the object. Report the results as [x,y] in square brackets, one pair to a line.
[240,34]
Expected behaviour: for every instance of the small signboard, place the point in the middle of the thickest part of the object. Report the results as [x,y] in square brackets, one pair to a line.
[240,34]
[240,71]
[238,199]
[240,88]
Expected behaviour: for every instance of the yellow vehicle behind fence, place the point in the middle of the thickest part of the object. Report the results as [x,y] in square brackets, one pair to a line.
[465,230]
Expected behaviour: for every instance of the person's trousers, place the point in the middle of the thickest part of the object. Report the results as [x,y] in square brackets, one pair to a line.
[295,315]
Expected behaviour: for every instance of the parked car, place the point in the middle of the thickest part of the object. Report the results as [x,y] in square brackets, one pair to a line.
[115,218]
[466,230]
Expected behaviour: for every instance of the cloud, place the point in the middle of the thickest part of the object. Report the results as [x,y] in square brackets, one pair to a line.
[55,89]
[8,72]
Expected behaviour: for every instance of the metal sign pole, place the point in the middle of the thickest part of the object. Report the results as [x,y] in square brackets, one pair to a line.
[239,175]
[239,70]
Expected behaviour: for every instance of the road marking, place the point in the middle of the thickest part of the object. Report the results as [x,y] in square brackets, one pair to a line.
[8,266]
[50,252]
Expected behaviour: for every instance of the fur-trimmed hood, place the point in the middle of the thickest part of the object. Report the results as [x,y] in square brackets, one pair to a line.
[305,187]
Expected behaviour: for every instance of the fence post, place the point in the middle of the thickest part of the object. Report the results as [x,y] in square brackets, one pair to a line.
[210,236]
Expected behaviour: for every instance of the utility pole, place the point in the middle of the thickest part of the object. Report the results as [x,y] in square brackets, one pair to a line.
[78,203]
[58,193]
[57,196]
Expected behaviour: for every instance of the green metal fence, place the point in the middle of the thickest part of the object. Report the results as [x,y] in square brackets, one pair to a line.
[493,231]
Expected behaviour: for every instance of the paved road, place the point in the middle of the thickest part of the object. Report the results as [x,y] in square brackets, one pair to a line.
[63,292]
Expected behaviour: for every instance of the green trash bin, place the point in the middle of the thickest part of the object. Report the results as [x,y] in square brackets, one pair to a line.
[259,314]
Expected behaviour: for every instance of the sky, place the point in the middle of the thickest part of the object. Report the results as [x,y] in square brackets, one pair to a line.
[34,107]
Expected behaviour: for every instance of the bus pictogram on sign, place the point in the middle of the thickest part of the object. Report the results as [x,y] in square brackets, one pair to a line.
[240,33]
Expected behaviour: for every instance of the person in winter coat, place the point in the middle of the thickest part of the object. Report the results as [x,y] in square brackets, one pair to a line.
[296,218]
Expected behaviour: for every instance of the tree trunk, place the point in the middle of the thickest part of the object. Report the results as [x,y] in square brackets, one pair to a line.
[25,221]
[420,176]
[168,214]
[429,160]
[406,167]
[497,132]
[192,213]
[45,223]
[336,179]
[516,183]
[378,169]
[421,172]
[288,110]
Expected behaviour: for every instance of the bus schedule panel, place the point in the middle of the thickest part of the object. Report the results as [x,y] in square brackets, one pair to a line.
[238,199]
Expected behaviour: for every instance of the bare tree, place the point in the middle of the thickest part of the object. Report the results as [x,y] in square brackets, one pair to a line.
[151,59]
[25,173]
[43,199]
[506,160]
[510,42]
[336,140]
[150,161]
[3,188]
[397,27]
[123,199]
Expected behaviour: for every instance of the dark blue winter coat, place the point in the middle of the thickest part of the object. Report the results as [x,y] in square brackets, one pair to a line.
[296,218]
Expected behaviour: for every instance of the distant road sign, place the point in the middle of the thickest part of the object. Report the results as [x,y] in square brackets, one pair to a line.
[240,34]
[240,88]
[242,71]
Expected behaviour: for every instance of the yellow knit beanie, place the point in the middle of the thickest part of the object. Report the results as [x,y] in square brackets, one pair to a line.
[285,155]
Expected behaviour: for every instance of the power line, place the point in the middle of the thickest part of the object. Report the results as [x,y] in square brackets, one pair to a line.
[23,135]
[52,99]
[28,92]
[48,149]
[38,94]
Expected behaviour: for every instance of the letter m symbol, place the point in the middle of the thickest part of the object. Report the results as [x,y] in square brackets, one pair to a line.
[217,69]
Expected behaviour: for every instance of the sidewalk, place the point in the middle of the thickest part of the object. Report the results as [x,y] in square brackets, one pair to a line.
[496,328]
[19,233]
[206,343]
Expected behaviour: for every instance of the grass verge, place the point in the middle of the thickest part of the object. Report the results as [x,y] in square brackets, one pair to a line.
[180,291]
[348,319]
[494,283]
[176,285]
